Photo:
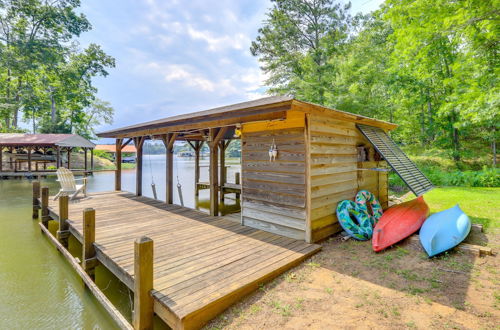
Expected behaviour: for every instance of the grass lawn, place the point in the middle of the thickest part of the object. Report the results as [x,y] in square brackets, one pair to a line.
[480,204]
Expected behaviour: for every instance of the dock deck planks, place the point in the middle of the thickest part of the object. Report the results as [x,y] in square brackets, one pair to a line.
[202,264]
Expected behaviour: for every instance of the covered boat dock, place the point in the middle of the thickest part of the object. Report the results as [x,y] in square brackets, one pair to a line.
[298,161]
[42,153]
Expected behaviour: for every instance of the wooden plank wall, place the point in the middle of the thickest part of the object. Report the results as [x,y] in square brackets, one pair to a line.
[274,193]
[333,169]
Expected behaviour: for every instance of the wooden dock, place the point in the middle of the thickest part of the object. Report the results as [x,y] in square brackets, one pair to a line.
[202,264]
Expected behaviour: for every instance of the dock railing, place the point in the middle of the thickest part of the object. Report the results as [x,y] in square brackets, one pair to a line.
[142,315]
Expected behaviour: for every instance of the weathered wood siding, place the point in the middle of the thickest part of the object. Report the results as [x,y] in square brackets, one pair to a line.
[274,193]
[333,171]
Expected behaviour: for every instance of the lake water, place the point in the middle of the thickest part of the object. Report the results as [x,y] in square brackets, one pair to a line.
[38,288]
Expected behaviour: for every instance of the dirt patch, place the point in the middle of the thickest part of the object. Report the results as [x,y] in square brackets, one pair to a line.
[348,286]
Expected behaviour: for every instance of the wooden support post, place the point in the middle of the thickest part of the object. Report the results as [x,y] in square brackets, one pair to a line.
[222,168]
[139,142]
[69,158]
[237,180]
[197,148]
[29,159]
[143,283]
[36,196]
[1,158]
[213,177]
[92,160]
[58,157]
[63,232]
[168,141]
[118,163]
[88,249]
[85,166]
[45,206]
[215,135]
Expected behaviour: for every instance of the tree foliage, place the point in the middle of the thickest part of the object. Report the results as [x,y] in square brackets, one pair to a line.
[430,66]
[45,78]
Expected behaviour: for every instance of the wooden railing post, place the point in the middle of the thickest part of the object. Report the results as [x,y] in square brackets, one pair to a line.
[63,232]
[45,207]
[143,283]
[36,196]
[88,257]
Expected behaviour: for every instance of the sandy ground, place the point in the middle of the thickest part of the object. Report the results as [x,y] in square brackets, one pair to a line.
[348,286]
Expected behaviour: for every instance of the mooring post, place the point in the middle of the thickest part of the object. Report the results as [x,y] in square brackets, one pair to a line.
[45,207]
[143,283]
[36,196]
[63,232]
[88,257]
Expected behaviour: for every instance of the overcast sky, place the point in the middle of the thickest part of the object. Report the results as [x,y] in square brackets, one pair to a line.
[175,56]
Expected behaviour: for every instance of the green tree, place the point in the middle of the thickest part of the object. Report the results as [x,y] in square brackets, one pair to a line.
[43,74]
[295,43]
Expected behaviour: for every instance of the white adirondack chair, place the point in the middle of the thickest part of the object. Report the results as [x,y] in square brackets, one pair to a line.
[68,184]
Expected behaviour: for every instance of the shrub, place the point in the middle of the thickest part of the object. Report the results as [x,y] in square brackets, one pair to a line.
[487,177]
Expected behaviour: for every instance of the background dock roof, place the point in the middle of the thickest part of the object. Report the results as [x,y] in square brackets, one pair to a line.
[44,140]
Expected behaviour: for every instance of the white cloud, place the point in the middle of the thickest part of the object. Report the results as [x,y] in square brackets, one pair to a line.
[218,43]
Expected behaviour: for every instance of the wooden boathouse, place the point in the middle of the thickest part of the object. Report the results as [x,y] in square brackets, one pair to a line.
[298,161]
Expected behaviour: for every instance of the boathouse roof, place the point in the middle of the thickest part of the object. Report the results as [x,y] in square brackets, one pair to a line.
[44,140]
[249,111]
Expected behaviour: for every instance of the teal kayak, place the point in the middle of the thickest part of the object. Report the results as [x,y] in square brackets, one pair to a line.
[444,230]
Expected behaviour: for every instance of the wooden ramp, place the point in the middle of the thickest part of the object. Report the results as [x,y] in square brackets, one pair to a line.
[202,264]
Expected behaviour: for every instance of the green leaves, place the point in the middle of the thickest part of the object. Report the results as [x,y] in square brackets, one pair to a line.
[431,66]
[44,76]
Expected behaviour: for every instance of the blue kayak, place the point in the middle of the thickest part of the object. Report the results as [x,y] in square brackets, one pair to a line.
[444,230]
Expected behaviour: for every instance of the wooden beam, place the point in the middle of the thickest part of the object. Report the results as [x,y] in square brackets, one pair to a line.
[139,142]
[214,184]
[29,159]
[63,232]
[88,249]
[85,152]
[36,196]
[220,135]
[143,283]
[69,157]
[197,149]
[45,206]
[168,141]
[126,143]
[118,164]
[222,168]
[92,160]
[58,157]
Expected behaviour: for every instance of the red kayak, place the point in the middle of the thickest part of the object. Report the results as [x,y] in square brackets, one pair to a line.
[399,222]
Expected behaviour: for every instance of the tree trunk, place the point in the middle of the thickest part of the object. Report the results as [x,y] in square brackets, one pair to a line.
[7,120]
[431,116]
[454,137]
[18,99]
[53,107]
[494,148]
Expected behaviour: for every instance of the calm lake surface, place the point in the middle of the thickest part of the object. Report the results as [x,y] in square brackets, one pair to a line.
[38,288]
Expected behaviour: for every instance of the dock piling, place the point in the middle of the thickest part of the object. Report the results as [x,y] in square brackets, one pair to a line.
[63,232]
[89,257]
[36,196]
[45,207]
[143,283]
